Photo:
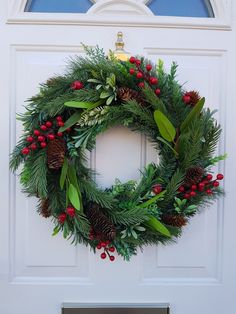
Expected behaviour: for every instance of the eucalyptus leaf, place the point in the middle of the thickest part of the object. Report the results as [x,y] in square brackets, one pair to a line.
[105,94]
[166,128]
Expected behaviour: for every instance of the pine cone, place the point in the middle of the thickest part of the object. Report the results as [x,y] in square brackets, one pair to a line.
[174,220]
[193,175]
[56,153]
[126,94]
[44,208]
[101,225]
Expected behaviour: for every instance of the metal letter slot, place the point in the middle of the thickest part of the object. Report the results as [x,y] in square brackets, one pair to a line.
[76,308]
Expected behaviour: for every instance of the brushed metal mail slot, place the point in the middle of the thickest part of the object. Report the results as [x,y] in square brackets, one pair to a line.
[162,309]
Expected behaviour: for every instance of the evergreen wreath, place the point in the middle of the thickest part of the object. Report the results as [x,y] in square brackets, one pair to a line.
[62,121]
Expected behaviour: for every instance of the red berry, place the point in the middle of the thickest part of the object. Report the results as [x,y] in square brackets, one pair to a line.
[41,138]
[220,176]
[77,85]
[181,189]
[131,71]
[112,249]
[153,80]
[108,242]
[103,244]
[103,255]
[139,75]
[216,184]
[25,151]
[148,67]
[43,144]
[51,137]
[209,177]
[99,246]
[186,99]
[62,218]
[36,132]
[60,134]
[141,85]
[112,258]
[33,146]
[192,193]
[193,187]
[157,91]
[156,189]
[186,196]
[70,211]
[43,127]
[209,191]
[137,62]
[60,123]
[68,130]
[30,139]
[201,185]
[59,118]
[132,59]
[48,124]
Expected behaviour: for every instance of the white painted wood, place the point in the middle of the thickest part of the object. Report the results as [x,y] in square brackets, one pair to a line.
[37,272]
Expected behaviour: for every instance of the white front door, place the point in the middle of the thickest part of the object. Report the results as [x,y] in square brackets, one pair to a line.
[39,272]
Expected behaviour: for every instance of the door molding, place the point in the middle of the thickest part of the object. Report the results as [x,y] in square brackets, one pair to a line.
[106,12]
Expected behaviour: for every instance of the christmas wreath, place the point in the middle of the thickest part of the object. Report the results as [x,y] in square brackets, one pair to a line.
[96,93]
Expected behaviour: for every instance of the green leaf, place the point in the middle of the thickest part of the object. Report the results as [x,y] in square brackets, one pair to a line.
[105,94]
[78,104]
[63,173]
[56,230]
[166,128]
[93,81]
[74,180]
[194,113]
[74,196]
[152,200]
[156,225]
[71,121]
[168,144]
[109,100]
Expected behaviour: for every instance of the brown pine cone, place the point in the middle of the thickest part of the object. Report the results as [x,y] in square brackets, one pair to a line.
[193,175]
[101,225]
[126,94]
[44,208]
[174,220]
[56,153]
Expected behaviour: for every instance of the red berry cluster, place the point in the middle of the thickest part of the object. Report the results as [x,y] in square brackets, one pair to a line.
[157,188]
[143,75]
[70,211]
[107,250]
[103,244]
[47,131]
[77,85]
[205,186]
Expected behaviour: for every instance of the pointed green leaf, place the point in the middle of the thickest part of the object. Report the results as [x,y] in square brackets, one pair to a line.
[74,196]
[63,173]
[78,104]
[71,121]
[166,128]
[194,113]
[109,100]
[152,200]
[56,230]
[156,225]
